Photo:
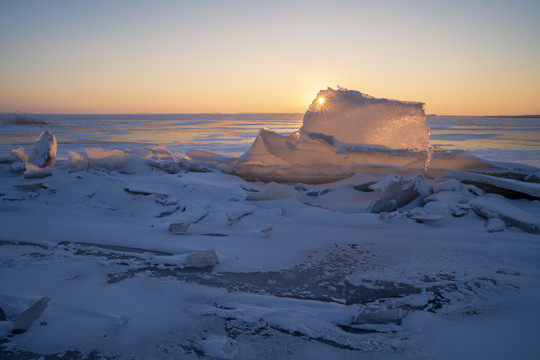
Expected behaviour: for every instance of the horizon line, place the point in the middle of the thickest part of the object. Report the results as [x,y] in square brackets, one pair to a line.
[240,113]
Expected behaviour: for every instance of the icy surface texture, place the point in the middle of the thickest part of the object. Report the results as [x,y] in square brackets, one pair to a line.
[43,153]
[353,117]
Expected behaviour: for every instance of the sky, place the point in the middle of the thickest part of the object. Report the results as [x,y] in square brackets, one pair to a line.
[458,57]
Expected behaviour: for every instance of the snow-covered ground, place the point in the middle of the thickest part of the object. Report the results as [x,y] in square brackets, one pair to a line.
[148,254]
[293,272]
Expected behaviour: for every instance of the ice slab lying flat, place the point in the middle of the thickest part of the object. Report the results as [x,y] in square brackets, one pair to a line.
[353,117]
[492,207]
[498,185]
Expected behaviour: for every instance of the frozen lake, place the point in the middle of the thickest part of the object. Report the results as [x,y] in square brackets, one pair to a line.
[145,255]
[491,138]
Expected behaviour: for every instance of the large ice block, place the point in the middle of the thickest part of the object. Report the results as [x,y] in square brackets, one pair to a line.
[353,117]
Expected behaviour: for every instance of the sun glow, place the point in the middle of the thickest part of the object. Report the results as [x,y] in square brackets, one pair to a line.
[320,100]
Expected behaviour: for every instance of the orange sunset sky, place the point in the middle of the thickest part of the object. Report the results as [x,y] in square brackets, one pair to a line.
[458,57]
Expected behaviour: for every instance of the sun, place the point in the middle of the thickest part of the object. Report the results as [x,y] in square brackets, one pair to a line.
[320,100]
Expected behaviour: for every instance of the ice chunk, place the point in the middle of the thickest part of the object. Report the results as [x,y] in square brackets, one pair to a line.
[535,177]
[495,224]
[43,152]
[294,158]
[396,194]
[14,162]
[179,228]
[248,188]
[492,207]
[386,183]
[17,167]
[155,151]
[15,155]
[157,189]
[268,147]
[162,158]
[202,259]
[107,159]
[78,161]
[219,347]
[18,195]
[27,318]
[168,210]
[192,214]
[234,216]
[33,186]
[447,202]
[448,185]
[130,161]
[266,232]
[459,210]
[383,315]
[353,117]
[421,215]
[274,191]
[35,172]
[211,159]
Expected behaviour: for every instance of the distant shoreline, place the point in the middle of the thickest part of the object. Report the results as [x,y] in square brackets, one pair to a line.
[139,114]
[490,116]
[253,113]
[516,116]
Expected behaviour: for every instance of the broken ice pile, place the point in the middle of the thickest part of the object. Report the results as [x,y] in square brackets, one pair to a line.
[157,156]
[42,156]
[344,131]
